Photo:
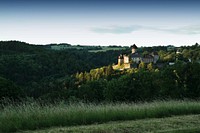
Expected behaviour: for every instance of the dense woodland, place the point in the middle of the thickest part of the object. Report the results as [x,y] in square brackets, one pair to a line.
[37,71]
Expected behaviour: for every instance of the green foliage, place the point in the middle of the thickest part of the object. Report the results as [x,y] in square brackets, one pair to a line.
[95,74]
[173,124]
[150,67]
[176,82]
[142,65]
[8,90]
[32,116]
[92,91]
[35,68]
[12,47]
[45,74]
[145,53]
[123,89]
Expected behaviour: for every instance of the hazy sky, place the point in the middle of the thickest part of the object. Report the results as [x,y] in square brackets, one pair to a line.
[101,22]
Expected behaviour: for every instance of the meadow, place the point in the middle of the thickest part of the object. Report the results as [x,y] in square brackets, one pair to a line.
[32,115]
[94,49]
[107,48]
[173,124]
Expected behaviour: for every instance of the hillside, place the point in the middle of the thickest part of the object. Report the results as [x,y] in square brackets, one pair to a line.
[41,87]
[37,68]
[75,74]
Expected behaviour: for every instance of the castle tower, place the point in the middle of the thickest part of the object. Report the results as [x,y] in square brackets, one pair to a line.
[126,59]
[155,57]
[134,48]
[120,60]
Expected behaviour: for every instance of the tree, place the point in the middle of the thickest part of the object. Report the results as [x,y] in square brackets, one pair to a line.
[192,80]
[81,77]
[109,70]
[142,65]
[92,91]
[9,90]
[150,66]
[145,53]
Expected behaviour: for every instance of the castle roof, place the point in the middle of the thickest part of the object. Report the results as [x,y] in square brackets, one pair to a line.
[120,56]
[135,55]
[134,46]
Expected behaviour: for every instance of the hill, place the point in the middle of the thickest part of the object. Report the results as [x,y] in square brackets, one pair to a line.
[37,67]
[76,73]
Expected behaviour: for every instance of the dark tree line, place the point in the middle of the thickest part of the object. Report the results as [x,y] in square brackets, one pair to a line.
[36,71]
[174,82]
[31,67]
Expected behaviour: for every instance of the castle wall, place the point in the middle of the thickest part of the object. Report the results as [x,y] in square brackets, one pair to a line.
[147,60]
[126,59]
[127,66]
[120,61]
[133,50]
[156,57]
[136,59]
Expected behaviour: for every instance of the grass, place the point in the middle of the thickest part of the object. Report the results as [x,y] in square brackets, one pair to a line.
[174,124]
[105,48]
[32,116]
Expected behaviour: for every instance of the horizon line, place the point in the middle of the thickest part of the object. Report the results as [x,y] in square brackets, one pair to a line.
[140,45]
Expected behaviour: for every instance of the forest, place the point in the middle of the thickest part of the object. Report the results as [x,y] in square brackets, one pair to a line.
[41,73]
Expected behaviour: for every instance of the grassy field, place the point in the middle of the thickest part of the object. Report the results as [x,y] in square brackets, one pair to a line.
[174,124]
[105,48]
[91,48]
[32,116]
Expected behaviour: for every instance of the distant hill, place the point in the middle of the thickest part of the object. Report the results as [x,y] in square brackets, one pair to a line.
[27,64]
[17,46]
[43,72]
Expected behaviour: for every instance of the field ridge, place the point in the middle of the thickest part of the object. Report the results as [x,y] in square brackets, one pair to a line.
[174,124]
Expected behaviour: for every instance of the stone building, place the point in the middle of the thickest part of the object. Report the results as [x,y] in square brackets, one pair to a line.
[135,58]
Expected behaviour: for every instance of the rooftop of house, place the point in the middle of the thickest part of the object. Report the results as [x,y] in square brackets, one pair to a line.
[134,46]
[135,55]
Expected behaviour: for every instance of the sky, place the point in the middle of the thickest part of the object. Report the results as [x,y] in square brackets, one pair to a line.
[101,22]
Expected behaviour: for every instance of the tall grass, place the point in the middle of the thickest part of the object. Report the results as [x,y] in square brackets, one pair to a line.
[30,116]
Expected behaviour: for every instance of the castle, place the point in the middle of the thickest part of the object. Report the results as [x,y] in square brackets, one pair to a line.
[136,58]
